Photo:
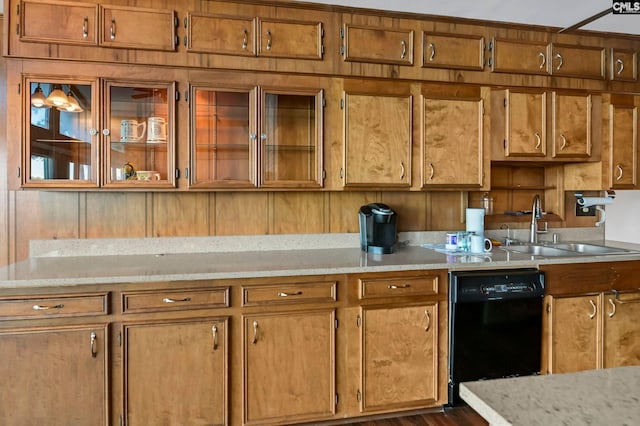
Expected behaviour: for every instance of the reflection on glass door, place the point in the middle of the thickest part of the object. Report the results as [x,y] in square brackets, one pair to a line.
[60,133]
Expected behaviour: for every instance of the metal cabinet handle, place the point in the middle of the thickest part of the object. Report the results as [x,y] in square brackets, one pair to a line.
[94,337]
[253,136]
[397,286]
[613,308]
[432,171]
[401,170]
[255,332]
[285,294]
[543,59]
[595,310]
[93,132]
[268,40]
[622,302]
[112,29]
[428,326]
[564,142]
[619,167]
[538,141]
[170,300]
[85,27]
[263,136]
[404,49]
[106,132]
[214,330]
[245,35]
[620,66]
[432,48]
[559,56]
[45,308]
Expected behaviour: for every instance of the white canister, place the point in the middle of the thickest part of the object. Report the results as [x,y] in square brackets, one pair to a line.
[475,221]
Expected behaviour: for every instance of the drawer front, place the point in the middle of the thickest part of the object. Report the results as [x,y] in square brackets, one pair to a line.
[400,286]
[313,292]
[55,306]
[155,301]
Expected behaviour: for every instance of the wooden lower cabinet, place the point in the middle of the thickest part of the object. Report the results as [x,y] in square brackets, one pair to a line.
[399,357]
[597,330]
[176,372]
[54,375]
[288,367]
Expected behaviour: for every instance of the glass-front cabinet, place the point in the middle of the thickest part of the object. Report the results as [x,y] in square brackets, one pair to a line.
[98,133]
[256,137]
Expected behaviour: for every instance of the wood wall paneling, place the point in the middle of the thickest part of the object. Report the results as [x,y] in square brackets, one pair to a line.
[115,215]
[4,194]
[240,213]
[180,215]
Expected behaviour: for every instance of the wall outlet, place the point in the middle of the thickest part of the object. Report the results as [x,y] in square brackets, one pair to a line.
[585,211]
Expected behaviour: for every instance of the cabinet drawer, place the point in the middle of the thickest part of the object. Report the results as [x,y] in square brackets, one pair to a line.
[154,301]
[399,286]
[313,292]
[54,306]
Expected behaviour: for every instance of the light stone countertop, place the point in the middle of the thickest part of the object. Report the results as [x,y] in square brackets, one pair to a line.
[596,397]
[81,262]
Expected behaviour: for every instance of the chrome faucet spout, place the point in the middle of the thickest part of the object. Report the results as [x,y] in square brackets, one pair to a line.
[536,213]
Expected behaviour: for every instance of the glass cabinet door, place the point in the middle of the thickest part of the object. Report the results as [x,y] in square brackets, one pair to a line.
[223,134]
[61,142]
[291,139]
[140,133]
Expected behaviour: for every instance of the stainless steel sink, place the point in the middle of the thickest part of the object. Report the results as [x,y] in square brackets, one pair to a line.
[539,250]
[590,248]
[566,249]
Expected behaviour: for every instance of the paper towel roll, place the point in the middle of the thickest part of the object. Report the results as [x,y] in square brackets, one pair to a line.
[475,221]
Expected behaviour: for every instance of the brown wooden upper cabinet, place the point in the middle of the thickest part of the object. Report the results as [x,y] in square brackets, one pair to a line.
[525,123]
[571,125]
[255,36]
[377,45]
[577,61]
[623,135]
[452,141]
[377,139]
[519,57]
[452,51]
[79,23]
[624,64]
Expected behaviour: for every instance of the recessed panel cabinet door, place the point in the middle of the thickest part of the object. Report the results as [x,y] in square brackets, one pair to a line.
[377,140]
[289,367]
[577,61]
[399,357]
[377,45]
[226,35]
[525,124]
[54,376]
[452,51]
[623,128]
[453,135]
[621,329]
[290,39]
[176,372]
[571,125]
[59,22]
[575,330]
[624,64]
[519,57]
[138,28]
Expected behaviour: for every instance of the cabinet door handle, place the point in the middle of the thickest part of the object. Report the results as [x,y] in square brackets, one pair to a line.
[285,294]
[401,170]
[85,27]
[559,57]
[255,332]
[428,326]
[432,171]
[620,66]
[170,300]
[397,286]
[404,49]
[268,40]
[93,337]
[245,35]
[112,29]
[595,310]
[543,59]
[46,308]
[538,141]
[432,48]
[613,308]
[619,167]
[564,142]
[214,330]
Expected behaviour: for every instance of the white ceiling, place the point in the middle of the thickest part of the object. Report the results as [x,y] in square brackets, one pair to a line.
[554,13]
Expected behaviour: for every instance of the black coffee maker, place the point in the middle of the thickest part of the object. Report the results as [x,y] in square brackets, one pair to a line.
[377,228]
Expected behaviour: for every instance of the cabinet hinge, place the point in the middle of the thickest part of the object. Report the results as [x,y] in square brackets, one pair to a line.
[336,323]
[186,95]
[176,21]
[358,320]
[186,173]
[336,400]
[341,50]
[17,29]
[185,41]
[322,50]
[342,33]
[504,102]
[120,344]
[324,102]
[19,172]
[176,41]
[324,174]
[177,174]
[548,308]
[341,103]
[19,88]
[341,173]
[359,395]
[177,95]
[490,62]
[504,144]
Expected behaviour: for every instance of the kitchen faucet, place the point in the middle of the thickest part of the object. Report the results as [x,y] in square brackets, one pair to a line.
[536,213]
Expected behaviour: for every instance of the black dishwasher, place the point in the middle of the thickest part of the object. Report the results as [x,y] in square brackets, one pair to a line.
[495,325]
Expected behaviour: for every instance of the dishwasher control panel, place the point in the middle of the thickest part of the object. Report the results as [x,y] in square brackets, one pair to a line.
[490,285]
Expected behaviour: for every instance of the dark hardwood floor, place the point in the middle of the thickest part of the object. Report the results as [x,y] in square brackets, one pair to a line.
[458,416]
